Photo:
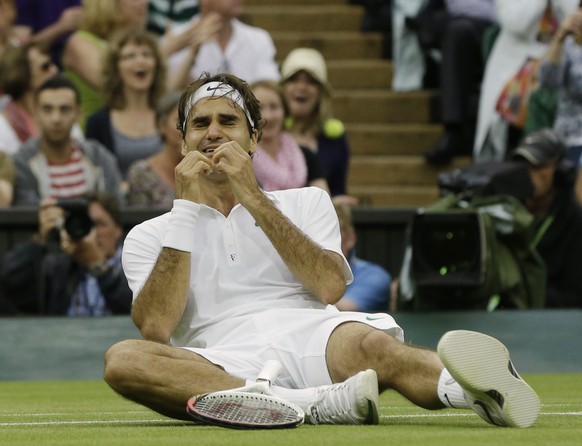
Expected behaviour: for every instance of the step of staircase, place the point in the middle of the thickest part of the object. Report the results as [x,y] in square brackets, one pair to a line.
[360,74]
[333,44]
[392,139]
[382,106]
[303,18]
[388,131]
[395,170]
[251,3]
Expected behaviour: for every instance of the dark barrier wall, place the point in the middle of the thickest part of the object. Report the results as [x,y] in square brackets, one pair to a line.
[380,231]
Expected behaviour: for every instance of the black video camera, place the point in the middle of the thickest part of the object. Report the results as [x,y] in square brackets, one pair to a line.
[77,222]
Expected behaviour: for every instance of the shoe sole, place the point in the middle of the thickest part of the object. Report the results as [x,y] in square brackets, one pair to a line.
[481,365]
[370,390]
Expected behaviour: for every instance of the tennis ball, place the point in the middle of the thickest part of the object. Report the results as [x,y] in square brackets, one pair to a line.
[333,128]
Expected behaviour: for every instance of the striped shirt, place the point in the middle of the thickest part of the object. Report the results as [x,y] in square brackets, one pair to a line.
[176,11]
[67,180]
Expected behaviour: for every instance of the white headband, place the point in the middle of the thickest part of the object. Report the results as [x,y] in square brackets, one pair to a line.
[216,89]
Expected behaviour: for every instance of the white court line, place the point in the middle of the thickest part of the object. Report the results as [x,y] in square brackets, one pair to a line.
[166,420]
[65,423]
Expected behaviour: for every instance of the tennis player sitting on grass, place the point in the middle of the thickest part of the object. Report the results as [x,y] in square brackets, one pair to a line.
[233,277]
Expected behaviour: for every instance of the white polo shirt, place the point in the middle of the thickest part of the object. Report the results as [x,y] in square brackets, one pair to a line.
[235,270]
[250,55]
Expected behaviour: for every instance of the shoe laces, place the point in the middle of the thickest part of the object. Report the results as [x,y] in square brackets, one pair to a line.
[333,405]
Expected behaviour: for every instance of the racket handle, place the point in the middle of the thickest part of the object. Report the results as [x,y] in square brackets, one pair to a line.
[270,371]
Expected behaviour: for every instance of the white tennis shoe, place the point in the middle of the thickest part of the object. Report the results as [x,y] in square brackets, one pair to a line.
[354,401]
[492,386]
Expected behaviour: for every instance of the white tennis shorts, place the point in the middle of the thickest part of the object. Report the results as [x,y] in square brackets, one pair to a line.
[297,338]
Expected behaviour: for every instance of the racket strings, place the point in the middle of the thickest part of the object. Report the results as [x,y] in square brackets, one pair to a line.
[251,409]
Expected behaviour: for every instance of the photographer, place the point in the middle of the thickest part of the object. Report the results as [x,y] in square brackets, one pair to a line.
[73,264]
[558,217]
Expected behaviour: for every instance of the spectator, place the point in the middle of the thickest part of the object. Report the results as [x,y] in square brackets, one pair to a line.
[279,162]
[49,23]
[133,79]
[526,28]
[77,277]
[370,290]
[22,70]
[84,50]
[308,93]
[559,72]
[409,65]
[233,47]
[558,217]
[54,164]
[6,180]
[456,31]
[165,14]
[151,181]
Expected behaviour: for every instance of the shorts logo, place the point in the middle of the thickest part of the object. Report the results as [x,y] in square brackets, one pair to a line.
[370,318]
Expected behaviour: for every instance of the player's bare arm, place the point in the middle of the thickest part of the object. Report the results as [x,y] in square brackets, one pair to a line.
[320,271]
[161,302]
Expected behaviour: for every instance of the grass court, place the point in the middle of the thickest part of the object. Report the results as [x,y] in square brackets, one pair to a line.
[87,412]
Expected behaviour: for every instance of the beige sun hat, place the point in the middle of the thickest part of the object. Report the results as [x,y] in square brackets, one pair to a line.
[309,60]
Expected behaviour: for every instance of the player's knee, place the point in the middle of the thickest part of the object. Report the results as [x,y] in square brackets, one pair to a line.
[378,346]
[116,362]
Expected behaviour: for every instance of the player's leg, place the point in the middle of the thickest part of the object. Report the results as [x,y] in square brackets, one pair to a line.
[162,377]
[414,372]
[479,374]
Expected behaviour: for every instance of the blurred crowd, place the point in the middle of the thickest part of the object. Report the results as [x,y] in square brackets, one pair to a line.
[90,92]
[90,89]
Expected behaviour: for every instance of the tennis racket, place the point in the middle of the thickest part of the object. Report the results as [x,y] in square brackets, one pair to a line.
[251,407]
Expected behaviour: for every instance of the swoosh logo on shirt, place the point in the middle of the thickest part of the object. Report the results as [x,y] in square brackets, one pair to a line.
[370,318]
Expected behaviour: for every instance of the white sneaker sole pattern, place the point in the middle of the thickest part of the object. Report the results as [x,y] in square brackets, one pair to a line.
[482,367]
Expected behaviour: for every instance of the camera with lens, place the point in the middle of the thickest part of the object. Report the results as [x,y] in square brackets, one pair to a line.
[77,222]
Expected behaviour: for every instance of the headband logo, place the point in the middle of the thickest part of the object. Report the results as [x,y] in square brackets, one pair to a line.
[216,89]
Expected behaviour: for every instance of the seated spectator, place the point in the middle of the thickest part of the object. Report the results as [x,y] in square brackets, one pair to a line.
[456,30]
[84,50]
[558,217]
[54,164]
[6,180]
[559,72]
[308,93]
[526,28]
[77,277]
[231,46]
[279,162]
[49,23]
[370,290]
[151,181]
[22,70]
[134,78]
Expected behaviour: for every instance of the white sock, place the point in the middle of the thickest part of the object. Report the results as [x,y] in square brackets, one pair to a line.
[450,392]
[300,397]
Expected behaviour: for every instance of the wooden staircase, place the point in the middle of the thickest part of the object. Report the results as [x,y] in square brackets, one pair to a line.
[388,131]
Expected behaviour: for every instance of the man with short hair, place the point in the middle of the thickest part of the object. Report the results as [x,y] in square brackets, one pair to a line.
[246,51]
[54,164]
[234,276]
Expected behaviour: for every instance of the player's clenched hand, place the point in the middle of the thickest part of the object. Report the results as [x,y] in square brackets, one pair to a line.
[188,171]
[231,159]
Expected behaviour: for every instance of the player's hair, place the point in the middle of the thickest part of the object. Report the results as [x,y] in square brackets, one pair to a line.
[251,103]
